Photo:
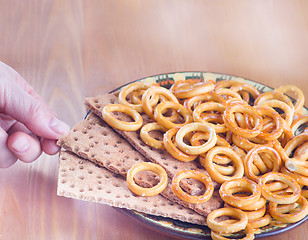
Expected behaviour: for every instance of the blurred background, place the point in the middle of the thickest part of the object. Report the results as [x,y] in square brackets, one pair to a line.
[70,43]
[70,49]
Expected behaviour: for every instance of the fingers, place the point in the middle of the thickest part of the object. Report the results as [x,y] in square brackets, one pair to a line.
[7,157]
[33,114]
[20,143]
[50,147]
[31,121]
[19,100]
[25,147]
[47,145]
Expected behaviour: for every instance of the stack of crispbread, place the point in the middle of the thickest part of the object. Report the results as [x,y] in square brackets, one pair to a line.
[95,159]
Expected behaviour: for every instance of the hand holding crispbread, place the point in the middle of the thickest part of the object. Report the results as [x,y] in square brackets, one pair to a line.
[217,149]
[28,126]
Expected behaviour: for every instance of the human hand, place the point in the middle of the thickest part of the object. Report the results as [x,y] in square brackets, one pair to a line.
[27,125]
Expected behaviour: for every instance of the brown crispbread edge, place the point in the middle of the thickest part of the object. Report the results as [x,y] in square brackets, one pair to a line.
[84,180]
[88,138]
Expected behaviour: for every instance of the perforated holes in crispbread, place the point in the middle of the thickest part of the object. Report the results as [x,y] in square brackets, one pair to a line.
[90,182]
[93,139]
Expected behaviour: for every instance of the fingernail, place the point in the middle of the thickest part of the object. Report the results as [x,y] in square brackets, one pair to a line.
[21,145]
[58,126]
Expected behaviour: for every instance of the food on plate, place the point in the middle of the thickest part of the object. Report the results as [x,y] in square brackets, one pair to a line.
[194,175]
[207,137]
[227,226]
[143,191]
[229,192]
[125,126]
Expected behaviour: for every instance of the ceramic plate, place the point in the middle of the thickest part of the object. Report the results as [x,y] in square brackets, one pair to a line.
[185,230]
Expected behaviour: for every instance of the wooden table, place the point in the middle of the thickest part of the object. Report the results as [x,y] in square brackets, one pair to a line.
[71,49]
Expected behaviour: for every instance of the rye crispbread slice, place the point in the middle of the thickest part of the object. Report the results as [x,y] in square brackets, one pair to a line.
[161,157]
[94,140]
[84,180]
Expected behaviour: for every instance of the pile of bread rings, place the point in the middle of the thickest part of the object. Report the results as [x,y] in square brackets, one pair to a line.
[245,139]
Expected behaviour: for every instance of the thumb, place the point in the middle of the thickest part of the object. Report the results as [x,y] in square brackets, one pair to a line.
[30,111]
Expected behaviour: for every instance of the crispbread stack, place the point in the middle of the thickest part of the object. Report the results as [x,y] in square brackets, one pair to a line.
[84,180]
[92,139]
[161,157]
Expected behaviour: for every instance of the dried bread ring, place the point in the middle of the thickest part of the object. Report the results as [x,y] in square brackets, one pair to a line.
[293,216]
[227,227]
[228,93]
[136,97]
[273,95]
[248,143]
[248,162]
[193,127]
[208,163]
[292,145]
[145,136]
[255,206]
[195,175]
[295,93]
[298,177]
[187,91]
[193,102]
[301,150]
[210,106]
[199,136]
[136,86]
[260,222]
[182,84]
[179,108]
[148,95]
[173,150]
[288,111]
[229,188]
[146,166]
[234,106]
[277,120]
[280,199]
[295,167]
[253,214]
[226,84]
[118,124]
[224,170]
[246,88]
[298,122]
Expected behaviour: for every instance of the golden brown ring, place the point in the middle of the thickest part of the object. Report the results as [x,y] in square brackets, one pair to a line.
[146,166]
[195,175]
[118,124]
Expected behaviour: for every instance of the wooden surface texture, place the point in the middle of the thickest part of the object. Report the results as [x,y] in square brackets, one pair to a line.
[70,49]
